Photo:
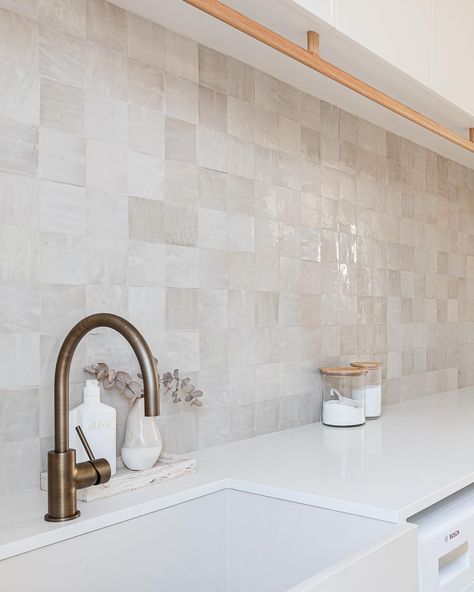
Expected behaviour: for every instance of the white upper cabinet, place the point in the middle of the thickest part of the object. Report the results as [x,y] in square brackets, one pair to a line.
[430,40]
[398,31]
[323,9]
[453,52]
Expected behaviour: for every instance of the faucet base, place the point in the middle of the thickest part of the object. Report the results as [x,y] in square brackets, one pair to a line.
[49,518]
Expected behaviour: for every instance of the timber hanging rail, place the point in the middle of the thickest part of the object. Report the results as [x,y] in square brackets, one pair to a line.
[310,57]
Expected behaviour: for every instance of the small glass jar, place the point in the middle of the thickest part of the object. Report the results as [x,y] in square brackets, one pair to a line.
[343,401]
[373,387]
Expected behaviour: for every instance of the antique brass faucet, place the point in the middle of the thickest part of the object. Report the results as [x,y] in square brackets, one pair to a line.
[65,476]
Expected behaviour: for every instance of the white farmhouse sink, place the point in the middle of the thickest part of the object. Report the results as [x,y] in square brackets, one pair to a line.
[229,541]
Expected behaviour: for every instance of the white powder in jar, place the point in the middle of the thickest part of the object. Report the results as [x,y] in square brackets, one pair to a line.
[337,413]
[373,399]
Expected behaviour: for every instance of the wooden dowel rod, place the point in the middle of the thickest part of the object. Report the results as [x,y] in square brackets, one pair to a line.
[239,21]
[471,134]
[313,42]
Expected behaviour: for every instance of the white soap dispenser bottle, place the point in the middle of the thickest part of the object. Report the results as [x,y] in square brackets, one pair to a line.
[98,422]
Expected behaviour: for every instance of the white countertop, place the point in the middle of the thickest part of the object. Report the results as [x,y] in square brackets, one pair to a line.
[416,454]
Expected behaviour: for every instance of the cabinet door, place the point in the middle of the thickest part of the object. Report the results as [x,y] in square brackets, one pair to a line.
[399,32]
[453,52]
[323,9]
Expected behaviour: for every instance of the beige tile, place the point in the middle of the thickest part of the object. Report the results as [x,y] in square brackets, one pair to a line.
[20,95]
[18,205]
[145,85]
[107,214]
[212,69]
[19,148]
[242,270]
[212,149]
[61,56]
[106,118]
[181,182]
[106,167]
[310,310]
[20,411]
[111,298]
[182,308]
[212,189]
[213,348]
[310,144]
[62,106]
[180,225]
[180,140]
[213,268]
[147,309]
[214,427]
[265,128]
[212,229]
[107,25]
[62,208]
[240,80]
[62,259]
[181,98]
[61,306]
[146,176]
[182,267]
[146,41]
[240,119]
[18,41]
[289,136]
[241,233]
[181,56]
[18,253]
[62,157]
[26,8]
[106,261]
[69,16]
[24,454]
[213,309]
[107,72]
[212,109]
[241,157]
[241,308]
[183,350]
[266,417]
[19,307]
[266,309]
[146,219]
[242,422]
[146,264]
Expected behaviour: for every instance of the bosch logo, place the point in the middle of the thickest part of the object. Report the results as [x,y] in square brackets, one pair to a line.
[451,536]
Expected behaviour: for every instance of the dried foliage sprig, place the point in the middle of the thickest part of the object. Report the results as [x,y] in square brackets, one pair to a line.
[175,386]
[181,386]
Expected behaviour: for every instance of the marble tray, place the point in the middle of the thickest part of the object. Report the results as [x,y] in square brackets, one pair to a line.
[168,467]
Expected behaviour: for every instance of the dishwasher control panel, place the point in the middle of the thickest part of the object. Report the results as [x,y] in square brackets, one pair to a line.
[446,544]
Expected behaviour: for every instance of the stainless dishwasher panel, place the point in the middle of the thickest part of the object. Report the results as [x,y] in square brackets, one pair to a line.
[446,544]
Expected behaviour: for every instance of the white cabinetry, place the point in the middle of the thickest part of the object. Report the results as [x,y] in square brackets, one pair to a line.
[323,9]
[453,52]
[430,40]
[399,32]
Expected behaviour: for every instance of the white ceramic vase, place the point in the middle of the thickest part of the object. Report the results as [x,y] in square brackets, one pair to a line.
[142,444]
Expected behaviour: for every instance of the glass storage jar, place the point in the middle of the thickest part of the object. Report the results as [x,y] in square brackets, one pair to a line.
[373,387]
[343,401]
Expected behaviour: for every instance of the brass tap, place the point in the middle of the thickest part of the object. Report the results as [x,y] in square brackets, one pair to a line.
[65,476]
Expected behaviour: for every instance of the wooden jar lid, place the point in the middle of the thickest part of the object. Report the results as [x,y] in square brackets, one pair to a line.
[370,365]
[343,371]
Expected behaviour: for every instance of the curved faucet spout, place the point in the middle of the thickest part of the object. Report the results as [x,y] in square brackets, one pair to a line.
[61,379]
[65,477]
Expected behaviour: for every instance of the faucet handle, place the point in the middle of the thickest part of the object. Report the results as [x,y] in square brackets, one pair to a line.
[101,466]
[85,443]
